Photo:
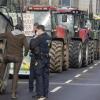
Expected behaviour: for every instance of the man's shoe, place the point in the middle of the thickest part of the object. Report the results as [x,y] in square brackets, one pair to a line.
[42,98]
[13,97]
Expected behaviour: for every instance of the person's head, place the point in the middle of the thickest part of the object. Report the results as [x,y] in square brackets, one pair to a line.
[40,29]
[19,27]
[35,27]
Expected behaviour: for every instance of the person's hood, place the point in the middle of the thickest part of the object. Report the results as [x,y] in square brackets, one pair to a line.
[16,32]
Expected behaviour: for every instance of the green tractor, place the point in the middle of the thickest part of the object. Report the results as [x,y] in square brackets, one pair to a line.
[96,38]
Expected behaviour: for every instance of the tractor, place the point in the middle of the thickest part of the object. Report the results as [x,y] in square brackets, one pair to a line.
[96,37]
[78,36]
[43,15]
[6,25]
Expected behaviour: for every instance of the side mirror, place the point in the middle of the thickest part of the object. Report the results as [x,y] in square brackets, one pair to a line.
[64,18]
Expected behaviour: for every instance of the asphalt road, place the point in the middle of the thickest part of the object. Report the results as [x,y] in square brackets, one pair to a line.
[74,84]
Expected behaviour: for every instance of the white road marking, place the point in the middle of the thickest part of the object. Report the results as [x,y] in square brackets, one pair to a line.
[56,89]
[84,84]
[68,81]
[85,71]
[78,75]
[56,83]
[91,67]
[96,64]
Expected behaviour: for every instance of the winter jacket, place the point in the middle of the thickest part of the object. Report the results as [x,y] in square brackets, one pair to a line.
[16,40]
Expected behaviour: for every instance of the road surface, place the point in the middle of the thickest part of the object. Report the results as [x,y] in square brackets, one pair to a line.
[74,84]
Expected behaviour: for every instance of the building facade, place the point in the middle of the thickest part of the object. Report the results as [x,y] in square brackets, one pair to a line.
[84,5]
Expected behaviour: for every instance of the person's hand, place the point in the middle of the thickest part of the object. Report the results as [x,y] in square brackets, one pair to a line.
[25,53]
[35,36]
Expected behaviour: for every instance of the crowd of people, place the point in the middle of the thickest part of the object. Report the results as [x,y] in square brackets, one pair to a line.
[39,64]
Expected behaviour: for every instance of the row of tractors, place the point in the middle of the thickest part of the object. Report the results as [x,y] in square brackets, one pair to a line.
[75,36]
[76,42]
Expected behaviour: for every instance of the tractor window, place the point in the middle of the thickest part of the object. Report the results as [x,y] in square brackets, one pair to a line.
[3,24]
[88,24]
[43,18]
[68,24]
[77,20]
[4,11]
[54,20]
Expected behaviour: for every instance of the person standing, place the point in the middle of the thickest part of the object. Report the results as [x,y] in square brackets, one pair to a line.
[16,40]
[40,50]
[32,64]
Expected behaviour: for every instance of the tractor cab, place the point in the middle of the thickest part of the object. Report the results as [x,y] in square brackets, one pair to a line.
[43,15]
[75,20]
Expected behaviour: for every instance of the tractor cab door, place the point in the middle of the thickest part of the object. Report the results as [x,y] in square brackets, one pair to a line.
[54,23]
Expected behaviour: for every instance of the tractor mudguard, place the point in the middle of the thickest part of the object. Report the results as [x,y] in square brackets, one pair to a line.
[83,34]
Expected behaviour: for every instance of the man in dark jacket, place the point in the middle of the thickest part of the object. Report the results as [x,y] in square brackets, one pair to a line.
[39,48]
[16,40]
[31,76]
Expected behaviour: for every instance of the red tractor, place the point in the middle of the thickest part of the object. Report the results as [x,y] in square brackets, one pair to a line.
[45,15]
[78,37]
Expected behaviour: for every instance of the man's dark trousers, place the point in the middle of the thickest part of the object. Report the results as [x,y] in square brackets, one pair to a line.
[42,78]
[32,75]
[41,74]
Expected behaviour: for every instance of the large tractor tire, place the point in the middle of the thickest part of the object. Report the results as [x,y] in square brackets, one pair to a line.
[75,54]
[4,70]
[66,58]
[4,79]
[91,51]
[98,45]
[95,49]
[85,54]
[56,56]
[98,49]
